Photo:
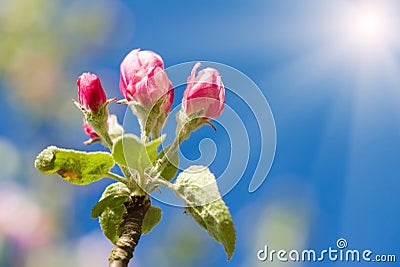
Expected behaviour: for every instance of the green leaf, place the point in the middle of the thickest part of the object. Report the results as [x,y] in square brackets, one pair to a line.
[115,188]
[76,167]
[111,208]
[197,186]
[171,168]
[151,148]
[151,219]
[130,151]
[110,221]
[112,200]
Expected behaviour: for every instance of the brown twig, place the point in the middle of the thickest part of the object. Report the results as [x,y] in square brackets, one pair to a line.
[131,231]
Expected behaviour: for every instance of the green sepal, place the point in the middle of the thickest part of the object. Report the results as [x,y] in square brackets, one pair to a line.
[197,186]
[151,219]
[188,123]
[152,119]
[157,117]
[76,167]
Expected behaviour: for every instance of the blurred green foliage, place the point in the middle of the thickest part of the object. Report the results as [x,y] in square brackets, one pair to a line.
[38,38]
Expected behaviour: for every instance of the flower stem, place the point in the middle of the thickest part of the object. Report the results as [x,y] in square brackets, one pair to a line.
[141,184]
[160,166]
[160,181]
[105,136]
[145,137]
[117,177]
[132,183]
[169,185]
[165,183]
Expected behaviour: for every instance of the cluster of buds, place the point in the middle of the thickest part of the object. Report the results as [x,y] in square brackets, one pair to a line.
[150,94]
[147,162]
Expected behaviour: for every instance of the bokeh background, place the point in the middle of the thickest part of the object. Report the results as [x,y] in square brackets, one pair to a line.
[330,71]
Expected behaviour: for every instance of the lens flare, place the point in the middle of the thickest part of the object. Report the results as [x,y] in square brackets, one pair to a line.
[366,28]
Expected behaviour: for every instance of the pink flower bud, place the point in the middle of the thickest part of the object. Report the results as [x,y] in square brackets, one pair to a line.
[89,130]
[114,129]
[143,79]
[91,95]
[204,93]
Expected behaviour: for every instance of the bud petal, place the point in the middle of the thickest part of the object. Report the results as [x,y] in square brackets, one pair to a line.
[143,80]
[153,87]
[205,93]
[91,95]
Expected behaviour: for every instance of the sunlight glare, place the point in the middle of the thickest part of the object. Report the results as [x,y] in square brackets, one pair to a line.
[367,28]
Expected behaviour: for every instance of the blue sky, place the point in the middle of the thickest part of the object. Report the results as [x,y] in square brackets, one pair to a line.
[333,88]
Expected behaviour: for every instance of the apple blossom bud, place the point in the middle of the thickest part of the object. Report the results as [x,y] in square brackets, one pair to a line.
[115,130]
[143,80]
[148,90]
[203,99]
[91,95]
[89,130]
[204,94]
